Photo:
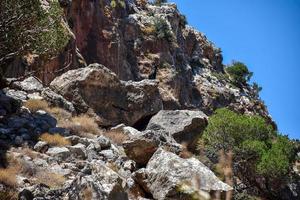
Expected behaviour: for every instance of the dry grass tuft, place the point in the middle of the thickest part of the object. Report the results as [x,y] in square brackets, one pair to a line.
[60,114]
[9,194]
[35,104]
[8,176]
[53,180]
[149,30]
[55,140]
[82,125]
[87,193]
[117,137]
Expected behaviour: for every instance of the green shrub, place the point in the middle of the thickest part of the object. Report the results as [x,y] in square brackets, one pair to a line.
[182,21]
[159,2]
[115,3]
[259,151]
[163,30]
[239,73]
[227,130]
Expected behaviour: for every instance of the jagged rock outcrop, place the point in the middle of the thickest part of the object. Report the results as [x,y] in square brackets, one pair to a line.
[166,172]
[184,126]
[114,101]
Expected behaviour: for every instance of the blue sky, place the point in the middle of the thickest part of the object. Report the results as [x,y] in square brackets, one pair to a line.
[265,35]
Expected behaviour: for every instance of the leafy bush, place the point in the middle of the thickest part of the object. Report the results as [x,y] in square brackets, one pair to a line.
[227,130]
[182,21]
[159,2]
[258,149]
[26,27]
[239,73]
[115,3]
[162,29]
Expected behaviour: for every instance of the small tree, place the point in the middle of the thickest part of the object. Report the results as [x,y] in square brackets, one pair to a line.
[259,151]
[239,73]
[27,27]
[159,2]
[162,29]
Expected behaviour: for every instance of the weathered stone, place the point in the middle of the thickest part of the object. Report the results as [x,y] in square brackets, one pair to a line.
[57,100]
[114,101]
[166,171]
[17,94]
[103,142]
[184,125]
[78,151]
[103,182]
[142,146]
[30,84]
[61,153]
[41,146]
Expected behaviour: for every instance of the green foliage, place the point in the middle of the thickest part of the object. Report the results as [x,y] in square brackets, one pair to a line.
[26,27]
[115,3]
[256,89]
[159,2]
[276,161]
[182,21]
[162,29]
[227,130]
[253,142]
[239,73]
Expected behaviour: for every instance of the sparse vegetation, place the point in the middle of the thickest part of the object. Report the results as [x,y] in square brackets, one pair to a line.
[53,180]
[120,3]
[35,104]
[239,73]
[159,2]
[8,176]
[182,21]
[55,139]
[116,136]
[163,30]
[258,150]
[60,114]
[82,125]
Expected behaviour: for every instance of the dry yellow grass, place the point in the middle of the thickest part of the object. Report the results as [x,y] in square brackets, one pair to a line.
[53,180]
[82,125]
[9,194]
[60,114]
[55,140]
[8,176]
[87,193]
[148,30]
[35,104]
[116,136]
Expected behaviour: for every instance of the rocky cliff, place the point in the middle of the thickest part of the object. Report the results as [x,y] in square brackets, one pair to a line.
[118,129]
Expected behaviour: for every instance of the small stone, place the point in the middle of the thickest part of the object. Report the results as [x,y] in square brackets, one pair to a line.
[104,142]
[78,151]
[60,153]
[41,146]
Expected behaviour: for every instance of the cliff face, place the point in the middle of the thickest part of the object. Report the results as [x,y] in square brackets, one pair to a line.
[146,82]
[140,41]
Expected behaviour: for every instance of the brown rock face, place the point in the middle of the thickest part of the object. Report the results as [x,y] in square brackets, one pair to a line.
[98,90]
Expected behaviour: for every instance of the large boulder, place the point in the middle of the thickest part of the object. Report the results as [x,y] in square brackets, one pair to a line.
[98,89]
[184,125]
[165,172]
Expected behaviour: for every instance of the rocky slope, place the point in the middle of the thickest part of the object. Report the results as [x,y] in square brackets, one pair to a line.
[149,98]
